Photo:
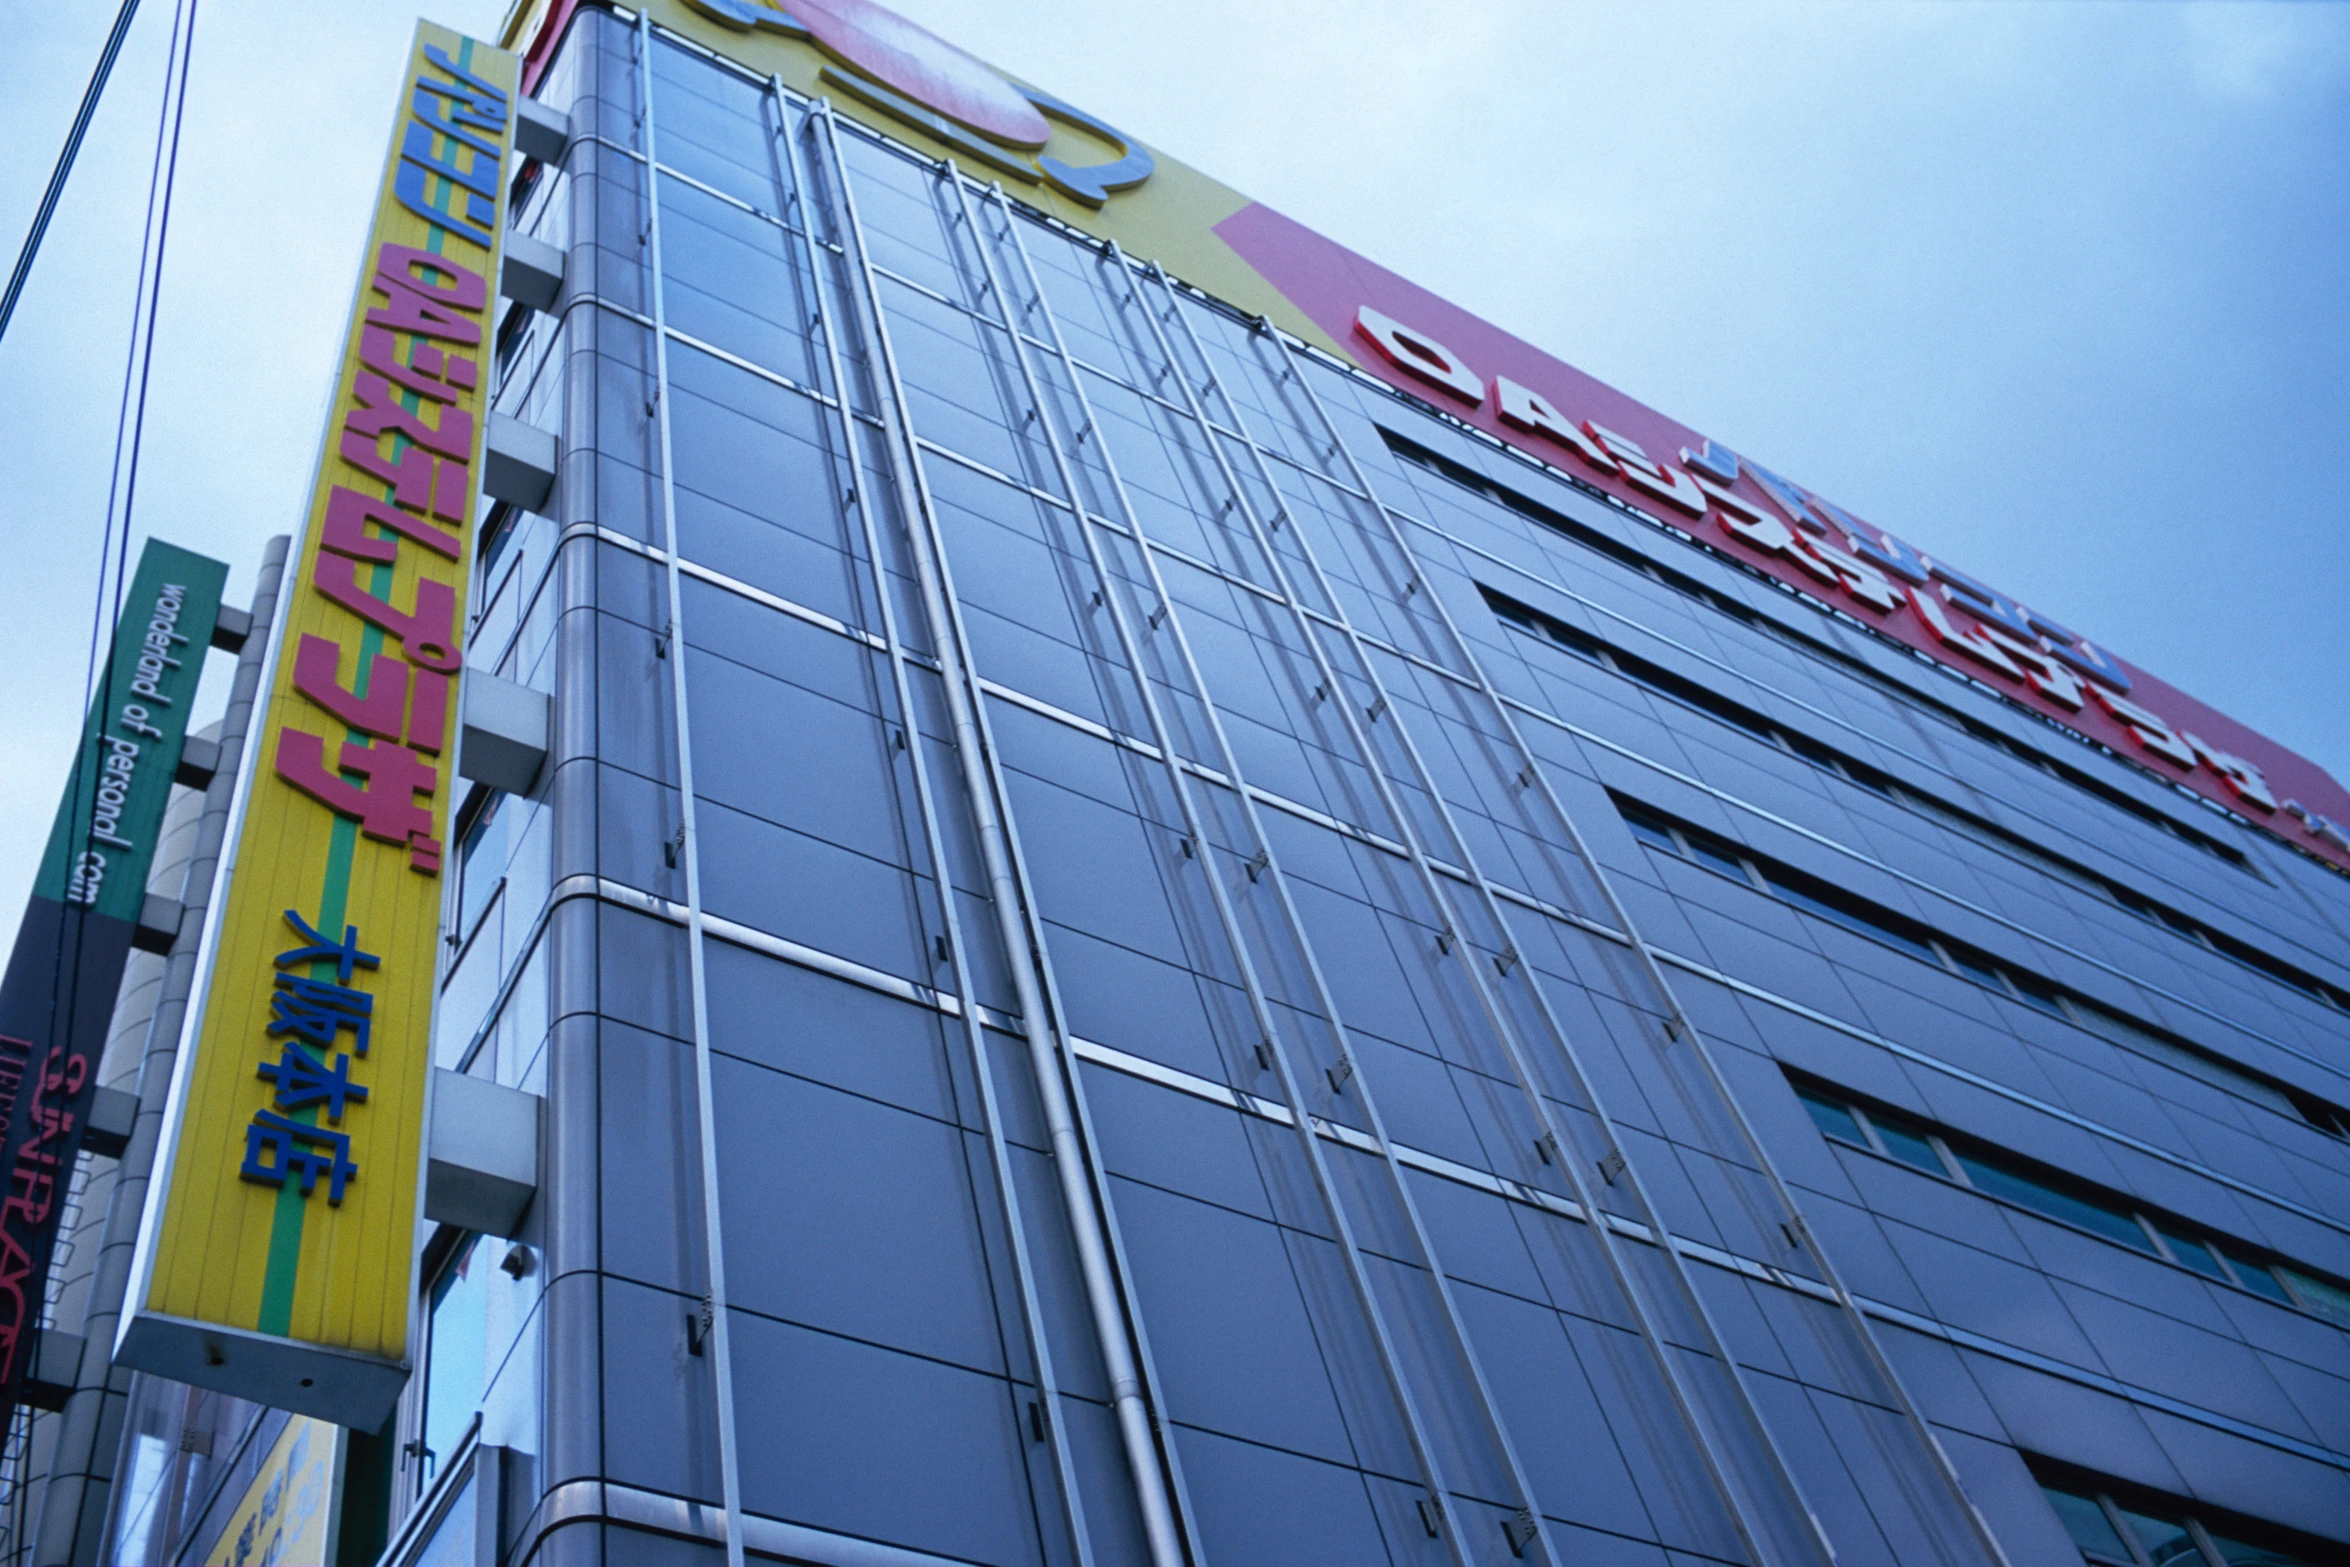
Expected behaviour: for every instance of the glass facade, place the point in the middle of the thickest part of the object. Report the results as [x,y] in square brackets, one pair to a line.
[1139,950]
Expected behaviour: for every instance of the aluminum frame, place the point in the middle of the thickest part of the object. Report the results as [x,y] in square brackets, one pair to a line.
[1811,1545]
[689,832]
[1261,1008]
[1681,1031]
[1169,1531]
[942,871]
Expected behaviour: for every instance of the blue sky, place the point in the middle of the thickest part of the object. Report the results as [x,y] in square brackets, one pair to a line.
[2056,289]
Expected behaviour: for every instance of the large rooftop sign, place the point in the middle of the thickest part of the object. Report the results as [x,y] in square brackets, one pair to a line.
[1076,165]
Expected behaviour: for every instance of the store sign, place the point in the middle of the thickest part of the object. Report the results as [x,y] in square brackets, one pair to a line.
[1823,551]
[278,1253]
[57,1001]
[916,77]
[287,1514]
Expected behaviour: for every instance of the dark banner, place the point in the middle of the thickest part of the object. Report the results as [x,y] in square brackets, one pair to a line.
[57,998]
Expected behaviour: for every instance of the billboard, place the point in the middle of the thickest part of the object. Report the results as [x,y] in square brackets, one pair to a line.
[1079,167]
[287,1514]
[277,1254]
[57,1000]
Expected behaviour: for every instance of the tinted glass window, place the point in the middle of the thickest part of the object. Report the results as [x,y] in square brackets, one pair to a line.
[2327,1300]
[453,1364]
[2194,1254]
[2086,1522]
[1833,1118]
[2165,1542]
[1910,1148]
[2256,1277]
[1714,859]
[2111,1222]
[2238,1554]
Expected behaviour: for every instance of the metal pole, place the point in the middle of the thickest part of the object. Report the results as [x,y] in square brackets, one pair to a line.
[73,1503]
[689,831]
[941,867]
[1072,1162]
[1683,1030]
[1767,1546]
[1276,1053]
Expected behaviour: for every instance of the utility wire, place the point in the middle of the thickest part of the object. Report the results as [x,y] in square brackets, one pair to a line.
[65,157]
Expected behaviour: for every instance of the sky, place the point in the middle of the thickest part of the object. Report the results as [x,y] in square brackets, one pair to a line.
[2052,288]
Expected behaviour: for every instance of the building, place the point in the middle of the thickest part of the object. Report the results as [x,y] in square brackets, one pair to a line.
[1217,882]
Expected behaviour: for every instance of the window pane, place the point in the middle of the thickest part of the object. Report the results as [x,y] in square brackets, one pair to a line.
[1833,1118]
[2255,1277]
[2327,1300]
[2086,1522]
[2168,1544]
[2037,993]
[1651,834]
[1856,922]
[2237,1554]
[2090,1214]
[1976,969]
[1910,1148]
[2194,1254]
[482,864]
[1715,860]
[453,1353]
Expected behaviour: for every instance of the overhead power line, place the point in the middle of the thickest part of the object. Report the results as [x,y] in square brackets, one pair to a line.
[65,157]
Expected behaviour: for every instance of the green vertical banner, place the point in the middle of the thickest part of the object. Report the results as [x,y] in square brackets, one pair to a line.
[57,998]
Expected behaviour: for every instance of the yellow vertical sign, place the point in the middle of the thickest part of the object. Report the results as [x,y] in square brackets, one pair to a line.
[277,1257]
[286,1516]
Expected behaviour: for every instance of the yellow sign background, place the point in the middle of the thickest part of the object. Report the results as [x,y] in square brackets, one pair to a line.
[229,1263]
[287,1510]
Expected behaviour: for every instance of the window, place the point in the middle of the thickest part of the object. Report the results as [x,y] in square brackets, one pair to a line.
[2189,1252]
[1996,1173]
[456,1331]
[1999,1177]
[1600,543]
[1911,1148]
[1828,902]
[2085,1519]
[481,862]
[1833,1119]
[1690,694]
[2256,1276]
[2327,1300]
[2138,1529]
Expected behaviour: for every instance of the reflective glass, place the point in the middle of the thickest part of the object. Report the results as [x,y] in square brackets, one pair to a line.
[2256,1277]
[483,863]
[2086,1522]
[1833,1118]
[1714,859]
[452,1543]
[2193,1253]
[2107,1219]
[2237,1553]
[2327,1300]
[1910,1148]
[2166,1543]
[453,1364]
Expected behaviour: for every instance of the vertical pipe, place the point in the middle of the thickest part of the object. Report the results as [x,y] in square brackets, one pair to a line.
[713,1232]
[1137,1422]
[1811,1544]
[73,1504]
[1261,1010]
[1686,1029]
[941,867]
